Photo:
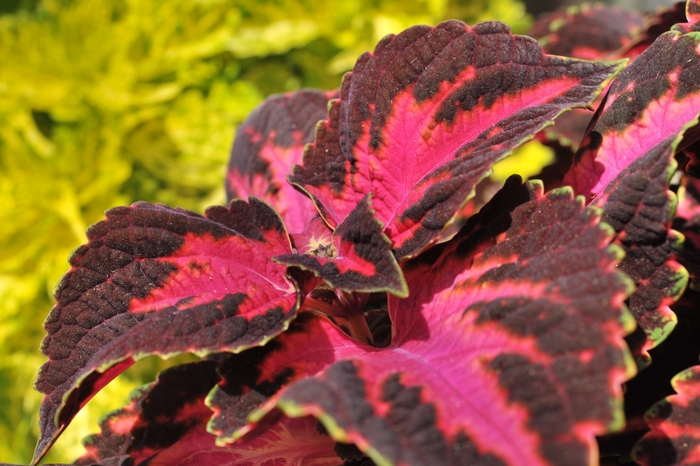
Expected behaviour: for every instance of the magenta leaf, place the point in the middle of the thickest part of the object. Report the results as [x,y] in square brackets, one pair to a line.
[249,379]
[588,31]
[517,358]
[640,207]
[653,99]
[268,144]
[628,154]
[358,256]
[424,117]
[675,431]
[158,280]
[165,424]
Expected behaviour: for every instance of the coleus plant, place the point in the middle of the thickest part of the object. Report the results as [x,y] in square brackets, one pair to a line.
[354,310]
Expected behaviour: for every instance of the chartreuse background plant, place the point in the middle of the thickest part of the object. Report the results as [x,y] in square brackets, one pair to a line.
[420,310]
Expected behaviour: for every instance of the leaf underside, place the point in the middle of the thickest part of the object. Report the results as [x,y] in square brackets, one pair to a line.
[158,280]
[424,117]
[484,365]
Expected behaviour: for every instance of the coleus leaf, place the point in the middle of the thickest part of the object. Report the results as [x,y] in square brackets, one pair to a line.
[165,424]
[424,117]
[639,206]
[675,434]
[158,280]
[268,144]
[656,24]
[687,222]
[648,108]
[356,257]
[517,359]
[591,32]
[588,31]
[311,344]
[653,99]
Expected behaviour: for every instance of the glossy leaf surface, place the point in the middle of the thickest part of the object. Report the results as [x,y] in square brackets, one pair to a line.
[675,425]
[424,117]
[529,307]
[158,280]
[267,145]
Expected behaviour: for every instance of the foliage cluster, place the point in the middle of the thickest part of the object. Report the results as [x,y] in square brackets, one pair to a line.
[105,102]
[379,299]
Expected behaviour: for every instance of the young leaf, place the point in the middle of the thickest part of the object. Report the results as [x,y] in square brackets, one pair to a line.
[517,360]
[165,424]
[268,144]
[422,119]
[674,438]
[158,280]
[358,256]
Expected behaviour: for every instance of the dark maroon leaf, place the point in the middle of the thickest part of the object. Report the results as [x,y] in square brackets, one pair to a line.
[655,98]
[656,24]
[268,144]
[675,425]
[158,280]
[422,119]
[165,424]
[509,349]
[588,31]
[640,207]
[357,256]
[249,379]
[687,222]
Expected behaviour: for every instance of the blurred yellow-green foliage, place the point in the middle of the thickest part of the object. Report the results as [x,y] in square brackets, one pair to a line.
[105,102]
